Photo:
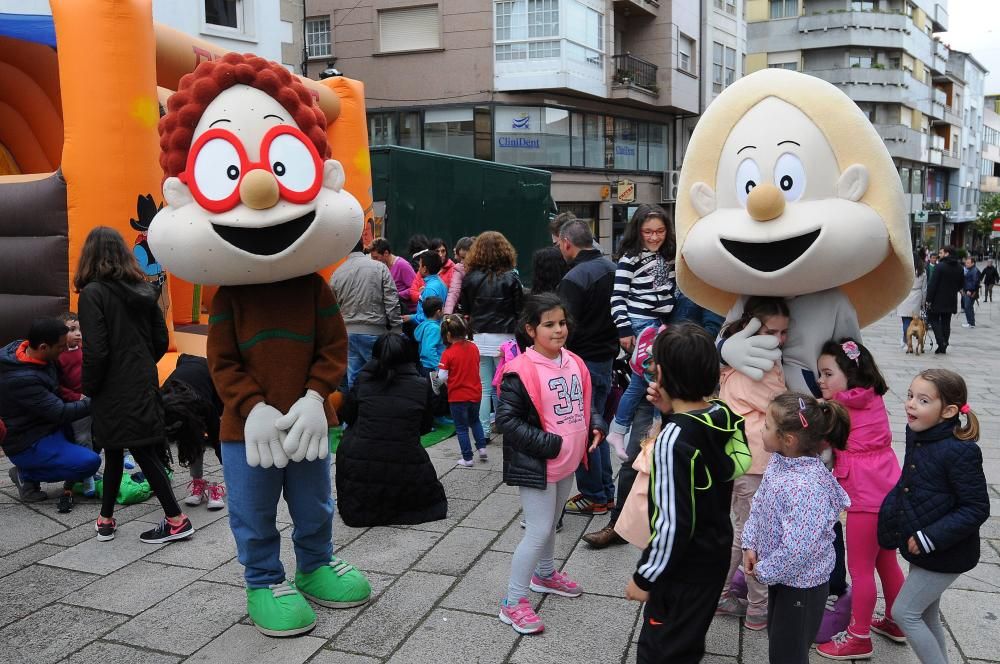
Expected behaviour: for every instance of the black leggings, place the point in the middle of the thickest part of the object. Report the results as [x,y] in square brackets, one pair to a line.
[152,468]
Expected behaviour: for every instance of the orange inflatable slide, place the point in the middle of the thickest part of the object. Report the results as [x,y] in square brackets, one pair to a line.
[79,149]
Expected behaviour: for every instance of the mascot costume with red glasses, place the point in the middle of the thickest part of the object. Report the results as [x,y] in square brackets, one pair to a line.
[254,204]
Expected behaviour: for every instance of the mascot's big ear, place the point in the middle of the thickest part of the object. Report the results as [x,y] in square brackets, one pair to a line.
[853,183]
[333,175]
[176,193]
[703,199]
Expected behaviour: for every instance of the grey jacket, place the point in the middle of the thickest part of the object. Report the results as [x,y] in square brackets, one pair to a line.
[367,295]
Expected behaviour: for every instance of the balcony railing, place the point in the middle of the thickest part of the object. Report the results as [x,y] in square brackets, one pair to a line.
[630,70]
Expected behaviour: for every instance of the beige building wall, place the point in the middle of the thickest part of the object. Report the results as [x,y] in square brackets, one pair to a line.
[292,53]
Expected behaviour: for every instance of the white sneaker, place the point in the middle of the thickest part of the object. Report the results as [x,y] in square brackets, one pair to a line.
[198,487]
[465,464]
[215,494]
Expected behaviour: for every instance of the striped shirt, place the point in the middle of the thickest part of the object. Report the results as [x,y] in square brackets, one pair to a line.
[644,288]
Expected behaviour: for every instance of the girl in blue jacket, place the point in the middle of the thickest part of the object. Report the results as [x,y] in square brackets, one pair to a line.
[934,512]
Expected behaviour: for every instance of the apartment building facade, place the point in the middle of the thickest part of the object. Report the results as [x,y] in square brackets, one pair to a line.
[885,56]
[602,93]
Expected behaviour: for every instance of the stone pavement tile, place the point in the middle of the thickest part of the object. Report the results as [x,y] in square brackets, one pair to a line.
[458,509]
[338,657]
[207,549]
[84,509]
[123,514]
[157,627]
[24,526]
[506,488]
[718,659]
[52,633]
[105,557]
[972,618]
[26,556]
[494,512]
[242,644]
[390,550]
[723,636]
[469,483]
[482,587]
[134,588]
[991,529]
[451,637]
[454,552]
[402,606]
[330,621]
[603,571]
[23,592]
[232,571]
[116,653]
[442,466]
[589,628]
[984,578]
[574,525]
[344,534]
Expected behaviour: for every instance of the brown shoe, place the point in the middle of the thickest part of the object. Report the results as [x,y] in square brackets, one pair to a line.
[602,538]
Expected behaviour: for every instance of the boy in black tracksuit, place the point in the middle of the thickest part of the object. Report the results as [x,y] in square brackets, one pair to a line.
[701,449]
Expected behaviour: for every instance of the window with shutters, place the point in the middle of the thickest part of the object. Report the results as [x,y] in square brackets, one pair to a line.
[318,42]
[409,29]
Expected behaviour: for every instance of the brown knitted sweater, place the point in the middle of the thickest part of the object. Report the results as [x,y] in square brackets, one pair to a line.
[271,343]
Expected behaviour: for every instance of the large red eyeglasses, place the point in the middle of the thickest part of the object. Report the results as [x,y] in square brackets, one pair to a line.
[217,163]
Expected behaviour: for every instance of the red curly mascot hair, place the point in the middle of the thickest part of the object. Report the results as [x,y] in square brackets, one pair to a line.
[199,88]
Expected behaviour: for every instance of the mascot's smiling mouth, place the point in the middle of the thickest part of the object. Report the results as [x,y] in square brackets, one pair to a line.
[770,256]
[269,240]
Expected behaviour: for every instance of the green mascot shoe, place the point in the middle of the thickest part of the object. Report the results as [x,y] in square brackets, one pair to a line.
[280,610]
[338,585]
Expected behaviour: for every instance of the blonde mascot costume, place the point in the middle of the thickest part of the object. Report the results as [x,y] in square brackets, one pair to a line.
[255,204]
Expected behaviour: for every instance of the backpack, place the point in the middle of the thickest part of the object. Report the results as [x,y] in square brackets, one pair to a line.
[508,351]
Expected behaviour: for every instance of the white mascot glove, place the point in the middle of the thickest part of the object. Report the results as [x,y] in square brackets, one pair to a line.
[751,354]
[308,430]
[262,438]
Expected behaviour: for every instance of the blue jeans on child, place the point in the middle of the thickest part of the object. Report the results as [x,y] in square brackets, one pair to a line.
[466,416]
[636,391]
[55,458]
[253,494]
[596,481]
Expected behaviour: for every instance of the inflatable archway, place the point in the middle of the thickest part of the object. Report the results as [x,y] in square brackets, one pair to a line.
[80,97]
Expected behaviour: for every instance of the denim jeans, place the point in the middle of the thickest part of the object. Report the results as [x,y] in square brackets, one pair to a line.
[465,415]
[636,391]
[643,420]
[969,307]
[596,482]
[253,494]
[488,369]
[359,352]
[55,458]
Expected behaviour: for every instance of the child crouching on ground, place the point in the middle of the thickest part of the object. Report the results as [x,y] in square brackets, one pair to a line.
[699,452]
[71,389]
[788,539]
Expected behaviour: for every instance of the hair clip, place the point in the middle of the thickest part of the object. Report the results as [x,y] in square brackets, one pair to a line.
[964,409]
[851,350]
[802,417]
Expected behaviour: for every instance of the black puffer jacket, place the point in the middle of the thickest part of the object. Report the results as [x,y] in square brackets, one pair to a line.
[942,290]
[941,499]
[383,475]
[492,302]
[124,336]
[526,446]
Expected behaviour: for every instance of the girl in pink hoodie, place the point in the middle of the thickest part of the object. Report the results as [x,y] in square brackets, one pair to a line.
[867,470]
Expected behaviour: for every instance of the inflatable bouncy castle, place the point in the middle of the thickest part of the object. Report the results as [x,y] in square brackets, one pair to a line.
[81,93]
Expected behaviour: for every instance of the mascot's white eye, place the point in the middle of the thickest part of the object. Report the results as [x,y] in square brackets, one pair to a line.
[292,163]
[217,169]
[790,176]
[747,177]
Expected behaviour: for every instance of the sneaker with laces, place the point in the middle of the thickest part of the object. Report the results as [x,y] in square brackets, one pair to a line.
[521,617]
[557,584]
[105,530]
[846,646]
[579,504]
[197,486]
[755,623]
[280,610]
[887,627]
[464,464]
[168,532]
[29,492]
[215,493]
[338,585]
[731,606]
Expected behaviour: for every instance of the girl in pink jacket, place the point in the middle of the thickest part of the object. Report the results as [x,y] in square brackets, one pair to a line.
[867,470]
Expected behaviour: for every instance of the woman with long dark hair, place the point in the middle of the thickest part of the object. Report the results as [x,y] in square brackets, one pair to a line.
[125,337]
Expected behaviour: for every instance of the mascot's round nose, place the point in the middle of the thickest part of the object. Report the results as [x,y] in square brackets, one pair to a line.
[765,202]
[259,190]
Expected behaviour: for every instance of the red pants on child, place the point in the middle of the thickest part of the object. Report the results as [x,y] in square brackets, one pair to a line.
[864,558]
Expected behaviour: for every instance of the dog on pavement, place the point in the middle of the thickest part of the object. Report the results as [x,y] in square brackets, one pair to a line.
[916,331]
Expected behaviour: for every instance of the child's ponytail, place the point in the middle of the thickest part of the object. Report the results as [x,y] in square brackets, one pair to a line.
[953,392]
[836,424]
[811,421]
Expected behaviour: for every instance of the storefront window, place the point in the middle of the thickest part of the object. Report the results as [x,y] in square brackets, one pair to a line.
[382,128]
[626,147]
[532,136]
[450,131]
[643,146]
[593,136]
[658,148]
[409,129]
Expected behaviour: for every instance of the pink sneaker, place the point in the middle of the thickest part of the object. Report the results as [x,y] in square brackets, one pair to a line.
[197,487]
[846,646]
[521,617]
[557,584]
[889,629]
[215,492]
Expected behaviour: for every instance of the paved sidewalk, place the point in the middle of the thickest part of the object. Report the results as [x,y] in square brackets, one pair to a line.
[66,597]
